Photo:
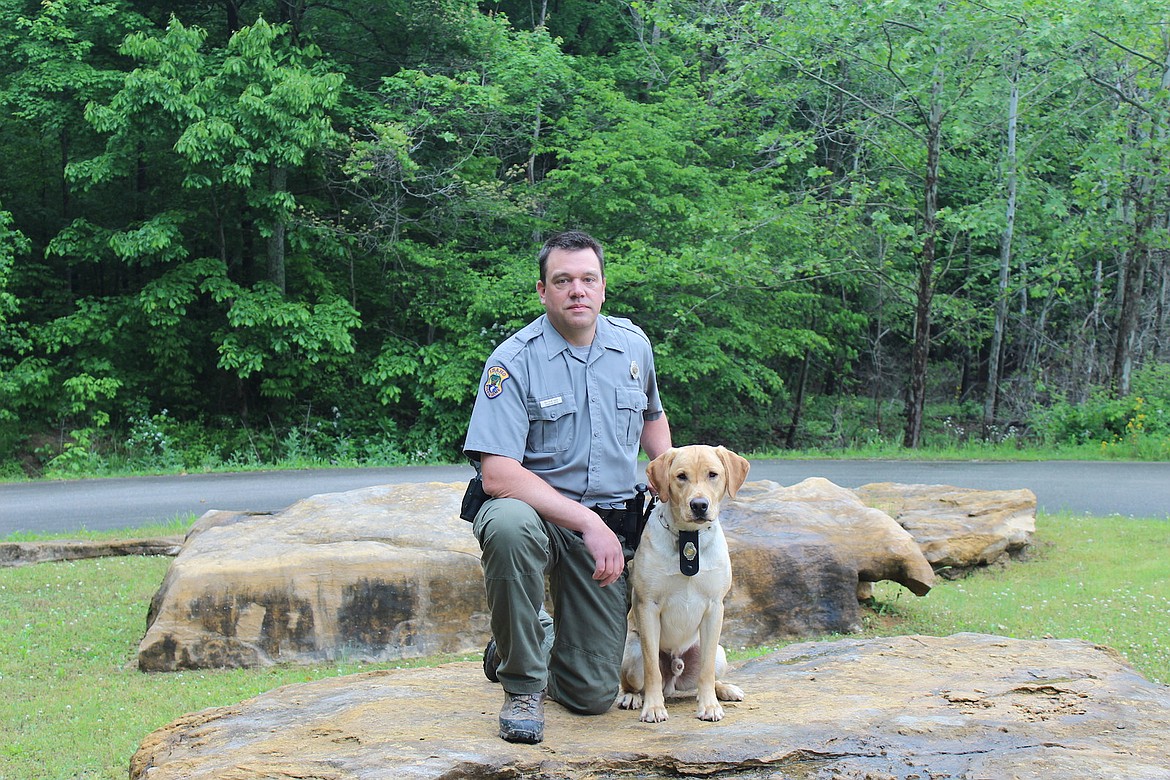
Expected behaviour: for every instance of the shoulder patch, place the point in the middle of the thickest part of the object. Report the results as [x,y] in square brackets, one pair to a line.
[495,381]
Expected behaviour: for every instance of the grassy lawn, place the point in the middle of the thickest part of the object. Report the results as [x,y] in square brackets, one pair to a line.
[75,705]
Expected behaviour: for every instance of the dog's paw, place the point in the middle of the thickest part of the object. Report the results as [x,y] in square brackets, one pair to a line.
[630,701]
[710,712]
[654,713]
[728,692]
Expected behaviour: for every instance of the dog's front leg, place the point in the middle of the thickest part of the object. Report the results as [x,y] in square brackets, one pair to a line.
[709,631]
[650,633]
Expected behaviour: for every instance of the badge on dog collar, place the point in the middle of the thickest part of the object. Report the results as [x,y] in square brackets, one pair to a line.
[688,552]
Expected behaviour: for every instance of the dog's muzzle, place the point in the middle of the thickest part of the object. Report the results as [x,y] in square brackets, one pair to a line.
[699,508]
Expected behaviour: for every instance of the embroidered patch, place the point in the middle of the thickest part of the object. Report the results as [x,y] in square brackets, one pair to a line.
[634,370]
[495,381]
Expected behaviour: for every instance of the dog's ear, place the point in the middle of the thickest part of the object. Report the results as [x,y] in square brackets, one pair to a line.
[737,469]
[657,474]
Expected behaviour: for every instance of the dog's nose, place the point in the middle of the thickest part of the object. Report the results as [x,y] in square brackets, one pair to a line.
[699,506]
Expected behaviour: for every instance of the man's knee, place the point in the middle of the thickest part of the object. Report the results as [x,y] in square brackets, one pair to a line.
[581,682]
[507,522]
[588,702]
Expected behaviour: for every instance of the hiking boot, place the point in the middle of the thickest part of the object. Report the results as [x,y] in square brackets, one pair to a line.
[491,661]
[522,717]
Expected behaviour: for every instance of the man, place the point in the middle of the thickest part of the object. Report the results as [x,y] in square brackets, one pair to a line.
[561,412]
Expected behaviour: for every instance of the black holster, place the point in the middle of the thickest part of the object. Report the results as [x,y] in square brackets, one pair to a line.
[473,497]
[629,522]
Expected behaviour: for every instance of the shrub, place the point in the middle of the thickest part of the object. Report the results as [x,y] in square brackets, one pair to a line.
[1140,419]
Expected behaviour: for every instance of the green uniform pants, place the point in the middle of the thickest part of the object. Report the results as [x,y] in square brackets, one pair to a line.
[579,661]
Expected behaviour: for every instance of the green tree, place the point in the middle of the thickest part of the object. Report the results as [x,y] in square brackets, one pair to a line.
[911,86]
[441,182]
[1126,167]
[205,144]
[55,58]
[705,199]
[12,243]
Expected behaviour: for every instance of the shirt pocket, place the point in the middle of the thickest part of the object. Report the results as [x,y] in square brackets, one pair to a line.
[550,422]
[631,403]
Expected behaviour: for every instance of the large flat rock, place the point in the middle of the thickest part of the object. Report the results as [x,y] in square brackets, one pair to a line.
[904,708]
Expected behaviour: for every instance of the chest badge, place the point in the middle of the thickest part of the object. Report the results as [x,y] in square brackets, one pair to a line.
[635,372]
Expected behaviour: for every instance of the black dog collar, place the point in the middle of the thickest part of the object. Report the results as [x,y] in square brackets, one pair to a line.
[688,552]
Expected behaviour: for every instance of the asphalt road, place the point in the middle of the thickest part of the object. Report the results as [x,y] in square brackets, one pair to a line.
[1100,489]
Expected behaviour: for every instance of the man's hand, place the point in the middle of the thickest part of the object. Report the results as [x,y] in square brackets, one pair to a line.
[606,549]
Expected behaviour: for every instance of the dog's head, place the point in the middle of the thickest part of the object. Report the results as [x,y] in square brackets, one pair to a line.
[693,480]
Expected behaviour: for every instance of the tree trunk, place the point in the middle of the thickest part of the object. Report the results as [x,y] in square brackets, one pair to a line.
[276,239]
[798,404]
[539,118]
[1136,262]
[1161,349]
[1005,254]
[916,395]
[1147,200]
[292,13]
[232,9]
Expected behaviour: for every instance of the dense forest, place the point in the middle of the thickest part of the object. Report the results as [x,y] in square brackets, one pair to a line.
[259,224]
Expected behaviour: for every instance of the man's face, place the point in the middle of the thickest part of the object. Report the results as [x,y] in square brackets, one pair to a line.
[572,293]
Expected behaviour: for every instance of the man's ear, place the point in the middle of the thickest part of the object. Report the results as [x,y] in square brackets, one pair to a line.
[737,469]
[658,474]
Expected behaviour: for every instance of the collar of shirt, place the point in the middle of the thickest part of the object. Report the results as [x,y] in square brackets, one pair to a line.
[607,337]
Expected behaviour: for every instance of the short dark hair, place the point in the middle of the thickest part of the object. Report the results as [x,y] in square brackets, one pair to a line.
[570,239]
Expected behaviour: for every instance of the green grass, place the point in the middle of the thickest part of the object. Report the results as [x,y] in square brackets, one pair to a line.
[75,705]
[175,526]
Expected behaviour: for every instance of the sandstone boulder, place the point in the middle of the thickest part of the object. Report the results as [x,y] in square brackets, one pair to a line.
[959,529]
[801,556]
[391,572]
[902,708]
[375,574]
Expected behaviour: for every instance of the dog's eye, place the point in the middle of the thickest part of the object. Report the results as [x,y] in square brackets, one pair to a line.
[712,475]
[681,477]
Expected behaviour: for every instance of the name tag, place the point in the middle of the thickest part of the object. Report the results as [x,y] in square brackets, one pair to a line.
[546,403]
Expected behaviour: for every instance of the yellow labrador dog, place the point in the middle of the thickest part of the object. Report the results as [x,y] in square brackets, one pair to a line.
[679,576]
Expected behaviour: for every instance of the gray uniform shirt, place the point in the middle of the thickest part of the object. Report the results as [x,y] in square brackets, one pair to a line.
[572,415]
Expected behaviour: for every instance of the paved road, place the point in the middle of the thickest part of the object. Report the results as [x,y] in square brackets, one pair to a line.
[1126,489]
